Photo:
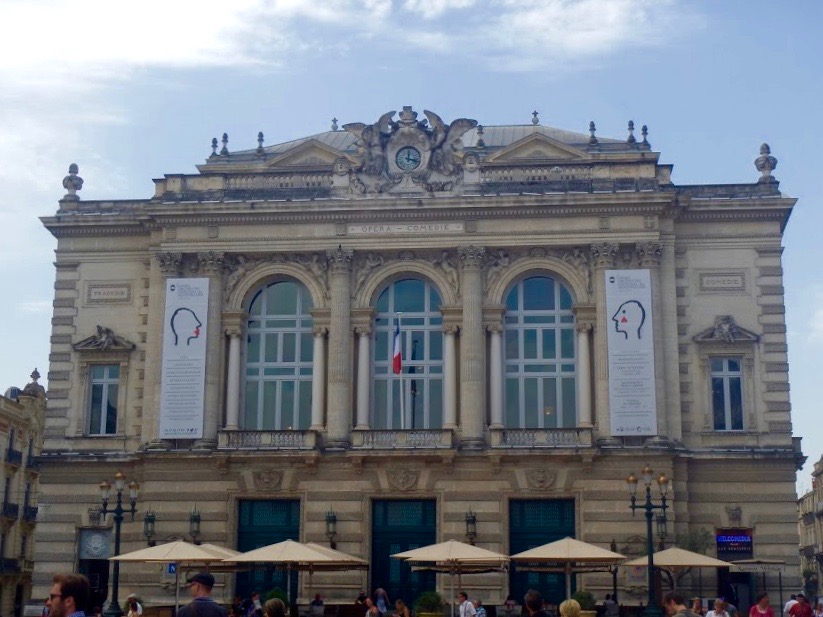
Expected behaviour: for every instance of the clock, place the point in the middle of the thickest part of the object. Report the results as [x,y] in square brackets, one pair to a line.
[407,158]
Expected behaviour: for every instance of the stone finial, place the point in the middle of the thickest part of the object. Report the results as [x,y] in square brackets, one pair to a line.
[34,389]
[260,143]
[480,142]
[535,118]
[72,183]
[225,150]
[214,146]
[592,129]
[334,124]
[764,163]
[631,139]
[644,131]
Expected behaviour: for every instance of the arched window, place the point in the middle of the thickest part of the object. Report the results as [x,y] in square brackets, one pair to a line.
[278,369]
[540,356]
[415,305]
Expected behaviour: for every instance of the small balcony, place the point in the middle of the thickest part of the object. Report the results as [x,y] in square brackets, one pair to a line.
[30,514]
[14,458]
[267,440]
[401,439]
[9,565]
[32,465]
[541,438]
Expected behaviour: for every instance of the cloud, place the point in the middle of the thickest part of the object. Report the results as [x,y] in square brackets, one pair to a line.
[36,307]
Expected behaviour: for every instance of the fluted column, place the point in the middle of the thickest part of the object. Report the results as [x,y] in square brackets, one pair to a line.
[603,255]
[584,376]
[339,373]
[449,378]
[211,264]
[318,377]
[233,380]
[496,369]
[472,348]
[363,374]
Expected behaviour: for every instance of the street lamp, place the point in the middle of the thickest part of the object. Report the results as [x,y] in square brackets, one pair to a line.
[331,528]
[613,548]
[471,527]
[148,527]
[653,607]
[194,525]
[118,510]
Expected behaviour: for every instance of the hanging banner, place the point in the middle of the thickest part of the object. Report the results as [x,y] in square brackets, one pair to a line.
[632,401]
[183,377]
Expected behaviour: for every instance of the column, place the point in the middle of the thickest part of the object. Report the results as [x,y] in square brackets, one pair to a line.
[603,255]
[496,369]
[449,378]
[584,376]
[170,266]
[340,372]
[472,348]
[211,264]
[318,377]
[233,380]
[363,373]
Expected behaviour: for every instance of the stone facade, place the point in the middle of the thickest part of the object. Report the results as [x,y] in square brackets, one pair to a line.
[471,211]
[22,414]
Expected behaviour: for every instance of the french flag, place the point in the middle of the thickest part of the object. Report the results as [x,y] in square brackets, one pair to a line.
[397,364]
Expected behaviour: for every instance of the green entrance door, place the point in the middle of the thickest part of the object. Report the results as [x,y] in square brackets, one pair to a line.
[534,523]
[397,526]
[262,523]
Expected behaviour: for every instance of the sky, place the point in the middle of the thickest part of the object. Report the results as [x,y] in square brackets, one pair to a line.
[130,91]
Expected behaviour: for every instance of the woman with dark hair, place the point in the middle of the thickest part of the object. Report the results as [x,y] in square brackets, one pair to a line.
[761,607]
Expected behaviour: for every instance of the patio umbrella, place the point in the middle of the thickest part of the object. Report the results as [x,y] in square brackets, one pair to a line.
[568,555]
[180,553]
[454,557]
[677,559]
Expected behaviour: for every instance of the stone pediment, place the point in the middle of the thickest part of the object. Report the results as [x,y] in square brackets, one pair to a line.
[536,147]
[104,341]
[726,331]
[311,153]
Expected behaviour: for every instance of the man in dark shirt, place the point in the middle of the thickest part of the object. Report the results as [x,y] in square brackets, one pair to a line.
[533,602]
[202,604]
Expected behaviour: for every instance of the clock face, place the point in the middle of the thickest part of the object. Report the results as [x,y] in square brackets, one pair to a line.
[408,158]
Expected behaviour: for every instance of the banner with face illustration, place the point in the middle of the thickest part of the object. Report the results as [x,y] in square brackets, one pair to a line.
[183,377]
[632,401]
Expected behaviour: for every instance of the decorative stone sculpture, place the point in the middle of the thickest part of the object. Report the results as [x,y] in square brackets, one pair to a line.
[72,183]
[765,164]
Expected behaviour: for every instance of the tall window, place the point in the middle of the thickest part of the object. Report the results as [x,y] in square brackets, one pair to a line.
[279,359]
[105,382]
[540,354]
[727,394]
[415,305]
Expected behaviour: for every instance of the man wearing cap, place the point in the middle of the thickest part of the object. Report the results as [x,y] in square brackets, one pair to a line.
[202,604]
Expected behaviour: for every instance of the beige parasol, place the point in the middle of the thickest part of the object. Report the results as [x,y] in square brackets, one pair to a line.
[679,558]
[179,553]
[567,555]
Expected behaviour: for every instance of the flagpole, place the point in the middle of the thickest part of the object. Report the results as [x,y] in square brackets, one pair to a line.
[400,375]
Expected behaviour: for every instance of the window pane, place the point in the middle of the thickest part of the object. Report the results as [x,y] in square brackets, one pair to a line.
[250,412]
[549,344]
[512,345]
[98,371]
[287,421]
[716,365]
[530,344]
[550,410]
[382,304]
[434,300]
[417,403]
[288,347]
[95,409]
[567,343]
[271,348]
[435,404]
[734,365]
[282,299]
[418,345]
[379,416]
[436,345]
[269,405]
[253,349]
[736,403]
[111,410]
[565,298]
[530,403]
[409,296]
[718,404]
[306,346]
[512,300]
[114,371]
[569,419]
[512,403]
[538,294]
[256,306]
[304,416]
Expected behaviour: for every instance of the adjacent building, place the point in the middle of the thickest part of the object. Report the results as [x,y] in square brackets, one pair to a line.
[409,330]
[22,414]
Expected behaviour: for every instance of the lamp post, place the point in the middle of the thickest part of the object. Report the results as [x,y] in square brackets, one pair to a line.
[331,528]
[194,525]
[653,606]
[118,510]
[148,527]
[613,548]
[471,527]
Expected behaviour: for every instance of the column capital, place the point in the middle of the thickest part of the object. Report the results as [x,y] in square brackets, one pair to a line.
[211,262]
[171,263]
[603,254]
[234,319]
[362,330]
[320,331]
[234,331]
[450,329]
[584,326]
[471,257]
[495,328]
[649,253]
[340,259]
